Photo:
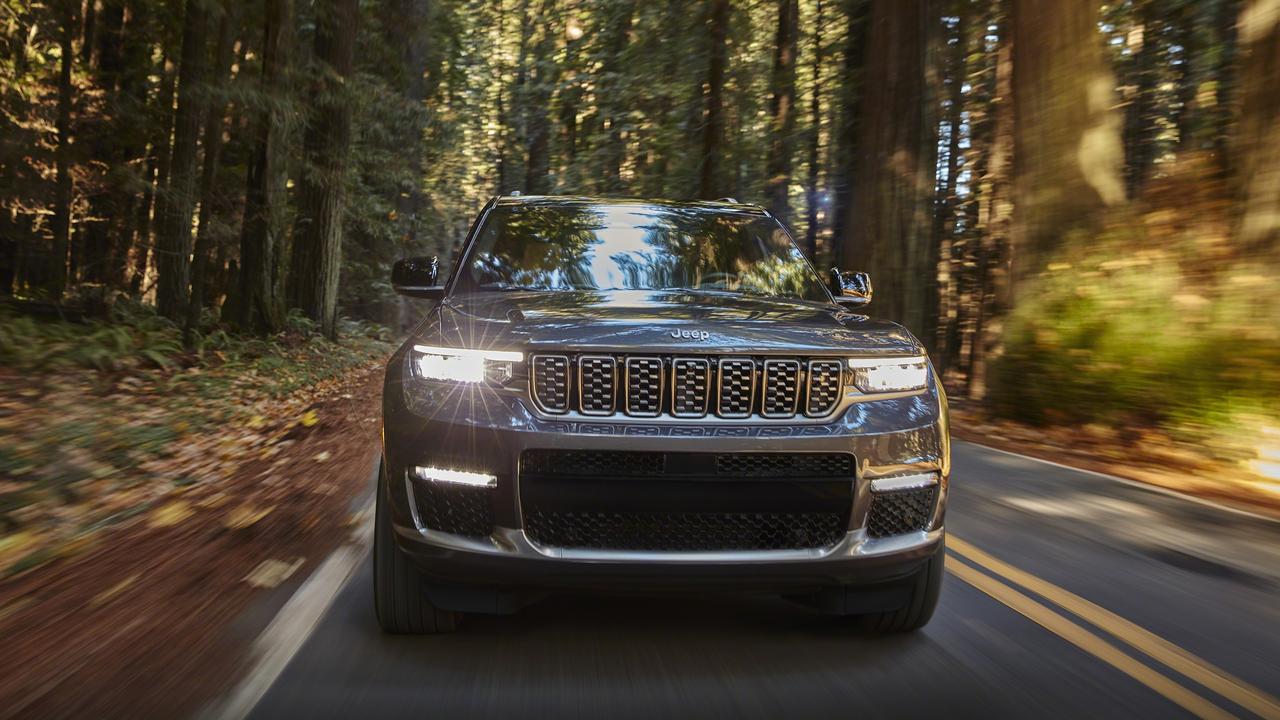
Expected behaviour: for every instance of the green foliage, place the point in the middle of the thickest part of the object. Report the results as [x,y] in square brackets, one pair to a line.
[1141,339]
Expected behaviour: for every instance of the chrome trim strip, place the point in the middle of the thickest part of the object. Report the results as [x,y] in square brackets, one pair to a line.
[533,384]
[706,395]
[626,385]
[751,387]
[764,389]
[904,482]
[613,397]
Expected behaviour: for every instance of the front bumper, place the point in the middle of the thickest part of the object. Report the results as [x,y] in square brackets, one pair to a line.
[483,430]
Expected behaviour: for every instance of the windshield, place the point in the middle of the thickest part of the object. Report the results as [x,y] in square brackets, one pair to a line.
[637,247]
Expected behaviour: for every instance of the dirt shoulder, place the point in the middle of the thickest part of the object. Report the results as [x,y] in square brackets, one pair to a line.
[1146,457]
[134,622]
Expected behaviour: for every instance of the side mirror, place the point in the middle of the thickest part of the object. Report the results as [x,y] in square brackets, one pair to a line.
[417,277]
[851,289]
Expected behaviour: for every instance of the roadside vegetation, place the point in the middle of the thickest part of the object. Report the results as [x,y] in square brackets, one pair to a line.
[105,420]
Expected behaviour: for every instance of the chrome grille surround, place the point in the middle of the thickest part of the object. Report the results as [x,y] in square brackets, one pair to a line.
[597,384]
[781,388]
[690,387]
[735,387]
[822,391]
[643,386]
[549,383]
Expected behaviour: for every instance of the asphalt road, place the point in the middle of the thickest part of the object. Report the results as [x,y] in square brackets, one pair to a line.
[1067,595]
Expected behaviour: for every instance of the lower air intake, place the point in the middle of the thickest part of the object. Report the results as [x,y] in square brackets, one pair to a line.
[901,511]
[684,532]
[455,509]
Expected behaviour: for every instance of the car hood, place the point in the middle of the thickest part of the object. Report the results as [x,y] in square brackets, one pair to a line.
[659,322]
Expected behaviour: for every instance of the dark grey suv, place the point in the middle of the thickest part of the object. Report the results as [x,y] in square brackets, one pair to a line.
[648,396]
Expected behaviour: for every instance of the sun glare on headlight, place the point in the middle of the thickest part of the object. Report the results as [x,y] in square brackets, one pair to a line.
[464,365]
[876,375]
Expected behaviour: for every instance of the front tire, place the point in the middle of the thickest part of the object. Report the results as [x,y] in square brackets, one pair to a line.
[926,586]
[399,596]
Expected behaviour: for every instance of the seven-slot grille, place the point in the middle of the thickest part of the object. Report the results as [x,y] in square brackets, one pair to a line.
[727,387]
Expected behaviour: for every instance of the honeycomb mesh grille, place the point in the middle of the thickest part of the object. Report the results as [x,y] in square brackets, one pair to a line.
[598,388]
[456,509]
[604,463]
[644,386]
[689,386]
[782,465]
[781,383]
[551,382]
[824,387]
[737,383]
[900,511]
[684,532]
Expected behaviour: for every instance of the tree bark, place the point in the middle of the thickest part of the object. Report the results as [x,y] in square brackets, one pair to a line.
[317,246]
[543,78]
[258,306]
[175,207]
[57,274]
[1140,121]
[216,112]
[1257,139]
[846,135]
[1067,147]
[888,223]
[713,102]
[811,196]
[157,176]
[610,97]
[946,204]
[782,97]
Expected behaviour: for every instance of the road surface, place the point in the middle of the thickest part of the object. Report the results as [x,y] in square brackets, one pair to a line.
[1067,595]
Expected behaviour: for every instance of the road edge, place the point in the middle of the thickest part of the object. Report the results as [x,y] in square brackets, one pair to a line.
[293,624]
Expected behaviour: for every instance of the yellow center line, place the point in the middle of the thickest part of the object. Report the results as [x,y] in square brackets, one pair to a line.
[1159,649]
[1076,635]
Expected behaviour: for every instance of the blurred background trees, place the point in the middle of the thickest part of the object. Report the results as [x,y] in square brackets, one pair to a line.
[1075,204]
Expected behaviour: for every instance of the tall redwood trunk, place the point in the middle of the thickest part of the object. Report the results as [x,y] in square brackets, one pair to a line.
[811,196]
[57,274]
[782,98]
[317,246]
[1257,139]
[889,220]
[174,208]
[709,181]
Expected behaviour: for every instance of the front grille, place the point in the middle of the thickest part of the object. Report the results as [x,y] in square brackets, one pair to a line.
[685,502]
[901,511]
[685,532]
[726,387]
[452,508]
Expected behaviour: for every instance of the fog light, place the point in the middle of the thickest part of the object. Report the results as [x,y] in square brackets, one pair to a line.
[457,477]
[904,482]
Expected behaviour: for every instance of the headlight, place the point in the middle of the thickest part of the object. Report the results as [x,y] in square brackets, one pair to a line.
[878,375]
[464,365]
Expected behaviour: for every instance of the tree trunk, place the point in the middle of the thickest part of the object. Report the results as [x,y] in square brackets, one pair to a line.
[888,223]
[782,97]
[713,102]
[157,176]
[995,215]
[216,112]
[1140,121]
[543,78]
[1067,146]
[317,246]
[258,305]
[846,135]
[946,204]
[175,207]
[610,96]
[811,196]
[1257,140]
[57,277]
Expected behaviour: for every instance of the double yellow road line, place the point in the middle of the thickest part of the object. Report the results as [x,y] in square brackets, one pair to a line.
[1153,646]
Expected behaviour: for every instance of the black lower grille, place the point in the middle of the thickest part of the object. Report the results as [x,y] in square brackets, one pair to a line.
[685,532]
[456,509]
[672,501]
[900,511]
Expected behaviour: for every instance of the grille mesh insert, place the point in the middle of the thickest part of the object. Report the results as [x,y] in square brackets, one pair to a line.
[824,387]
[737,381]
[781,383]
[684,532]
[900,511]
[598,390]
[551,382]
[456,509]
[604,463]
[644,386]
[780,465]
[690,380]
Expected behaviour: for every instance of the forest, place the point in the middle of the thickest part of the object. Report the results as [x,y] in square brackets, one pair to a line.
[1074,204]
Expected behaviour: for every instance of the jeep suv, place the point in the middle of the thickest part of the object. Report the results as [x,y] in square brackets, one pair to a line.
[623,395]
